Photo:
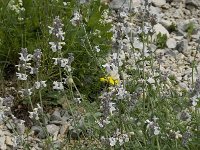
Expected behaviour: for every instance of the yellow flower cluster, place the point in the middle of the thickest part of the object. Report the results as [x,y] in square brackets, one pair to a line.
[110,80]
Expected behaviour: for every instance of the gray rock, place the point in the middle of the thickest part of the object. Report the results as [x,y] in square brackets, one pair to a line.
[9,141]
[1,117]
[171,43]
[186,12]
[39,131]
[2,142]
[158,3]
[178,37]
[166,23]
[56,116]
[158,12]
[57,144]
[64,129]
[117,4]
[160,29]
[195,3]
[75,134]
[178,13]
[52,128]
[182,46]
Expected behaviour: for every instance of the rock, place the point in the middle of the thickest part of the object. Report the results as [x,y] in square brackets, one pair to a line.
[171,43]
[196,36]
[166,6]
[56,116]
[194,3]
[178,37]
[9,141]
[182,46]
[38,131]
[117,4]
[178,13]
[158,12]
[180,56]
[136,3]
[75,135]
[52,128]
[186,12]
[57,144]
[64,129]
[166,23]
[158,3]
[2,142]
[1,117]
[158,28]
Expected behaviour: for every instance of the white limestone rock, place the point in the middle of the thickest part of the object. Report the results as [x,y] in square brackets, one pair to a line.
[171,43]
[158,3]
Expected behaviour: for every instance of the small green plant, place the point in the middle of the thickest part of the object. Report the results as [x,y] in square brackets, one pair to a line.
[172,27]
[190,29]
[161,40]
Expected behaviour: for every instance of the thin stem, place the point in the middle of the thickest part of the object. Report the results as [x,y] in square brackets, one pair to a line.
[158,144]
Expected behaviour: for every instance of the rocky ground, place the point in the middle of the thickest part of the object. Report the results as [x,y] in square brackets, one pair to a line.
[182,50]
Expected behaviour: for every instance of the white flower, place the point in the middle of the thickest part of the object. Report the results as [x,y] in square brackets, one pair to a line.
[40,84]
[60,45]
[68,68]
[121,141]
[56,61]
[35,113]
[60,34]
[106,121]
[33,70]
[53,46]
[97,48]
[153,127]
[178,135]
[114,55]
[112,108]
[126,137]
[156,130]
[56,46]
[121,92]
[151,80]
[25,58]
[76,18]
[123,14]
[194,100]
[123,138]
[25,92]
[100,124]
[58,85]
[21,76]
[112,141]
[64,62]
[50,29]
[37,85]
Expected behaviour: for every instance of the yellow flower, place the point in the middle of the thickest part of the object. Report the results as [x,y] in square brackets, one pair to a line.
[110,80]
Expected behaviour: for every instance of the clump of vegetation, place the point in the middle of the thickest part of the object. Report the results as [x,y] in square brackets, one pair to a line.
[190,29]
[172,28]
[161,40]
